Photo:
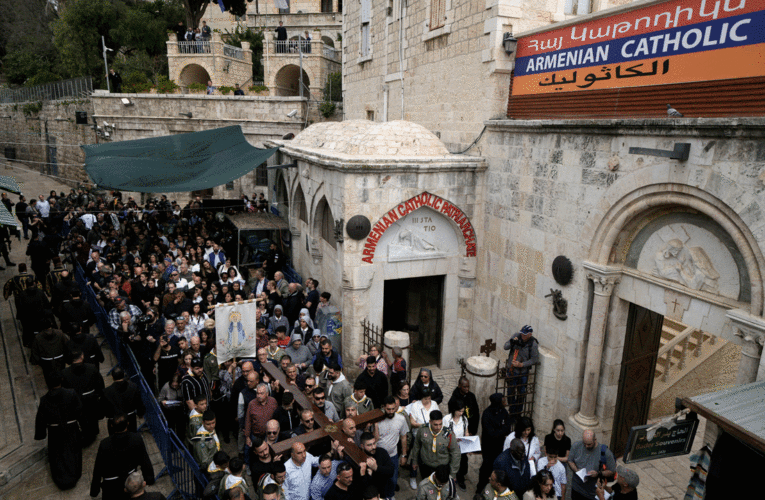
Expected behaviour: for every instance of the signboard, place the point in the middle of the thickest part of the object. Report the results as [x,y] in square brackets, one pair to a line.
[424,199]
[677,41]
[235,326]
[673,438]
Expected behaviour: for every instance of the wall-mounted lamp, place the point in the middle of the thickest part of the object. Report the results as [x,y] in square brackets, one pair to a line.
[187,115]
[509,43]
[126,101]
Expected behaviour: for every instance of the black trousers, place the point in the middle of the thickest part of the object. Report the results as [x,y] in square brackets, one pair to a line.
[485,471]
[463,470]
[425,470]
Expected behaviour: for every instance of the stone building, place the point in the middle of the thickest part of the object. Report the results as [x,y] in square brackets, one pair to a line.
[439,63]
[666,250]
[282,62]
[213,60]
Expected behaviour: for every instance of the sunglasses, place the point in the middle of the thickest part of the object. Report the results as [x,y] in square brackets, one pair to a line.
[271,432]
[319,398]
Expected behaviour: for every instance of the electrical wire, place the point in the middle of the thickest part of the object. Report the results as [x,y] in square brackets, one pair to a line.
[475,141]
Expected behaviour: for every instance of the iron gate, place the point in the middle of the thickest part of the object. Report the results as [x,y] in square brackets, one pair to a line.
[373,335]
[519,392]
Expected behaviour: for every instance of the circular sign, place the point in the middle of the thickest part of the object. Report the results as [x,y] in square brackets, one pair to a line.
[358,227]
[562,270]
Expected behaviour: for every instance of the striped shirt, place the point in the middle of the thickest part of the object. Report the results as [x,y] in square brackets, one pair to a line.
[192,387]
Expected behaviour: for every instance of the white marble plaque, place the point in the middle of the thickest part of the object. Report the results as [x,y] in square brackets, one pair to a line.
[423,234]
[693,257]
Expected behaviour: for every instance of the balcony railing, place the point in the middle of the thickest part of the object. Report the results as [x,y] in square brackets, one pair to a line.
[231,51]
[195,47]
[289,47]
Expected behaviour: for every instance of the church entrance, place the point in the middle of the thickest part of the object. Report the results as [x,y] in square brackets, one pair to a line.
[415,305]
[641,349]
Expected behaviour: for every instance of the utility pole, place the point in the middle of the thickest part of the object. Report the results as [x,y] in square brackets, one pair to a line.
[103,44]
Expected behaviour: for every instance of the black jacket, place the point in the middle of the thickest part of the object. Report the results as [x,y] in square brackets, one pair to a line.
[496,426]
[472,412]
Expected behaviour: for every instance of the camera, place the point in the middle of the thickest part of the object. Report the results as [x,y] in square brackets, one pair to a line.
[143,321]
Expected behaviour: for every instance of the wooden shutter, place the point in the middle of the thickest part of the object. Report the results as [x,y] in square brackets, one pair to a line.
[437,13]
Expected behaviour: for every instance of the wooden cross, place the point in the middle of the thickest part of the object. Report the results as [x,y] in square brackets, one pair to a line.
[489,347]
[330,429]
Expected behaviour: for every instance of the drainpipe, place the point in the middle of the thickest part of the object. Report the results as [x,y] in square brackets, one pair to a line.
[385,103]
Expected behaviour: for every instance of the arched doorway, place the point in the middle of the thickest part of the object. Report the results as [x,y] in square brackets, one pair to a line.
[193,73]
[324,223]
[281,196]
[287,81]
[664,257]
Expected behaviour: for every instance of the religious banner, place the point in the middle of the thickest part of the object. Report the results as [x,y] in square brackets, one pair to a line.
[329,322]
[678,41]
[235,326]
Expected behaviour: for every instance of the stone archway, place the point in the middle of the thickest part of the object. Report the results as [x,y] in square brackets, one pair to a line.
[615,230]
[328,41]
[193,73]
[287,81]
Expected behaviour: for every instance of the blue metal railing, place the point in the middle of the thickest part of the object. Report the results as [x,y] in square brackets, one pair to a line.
[183,470]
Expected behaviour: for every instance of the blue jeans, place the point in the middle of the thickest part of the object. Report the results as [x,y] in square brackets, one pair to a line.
[390,487]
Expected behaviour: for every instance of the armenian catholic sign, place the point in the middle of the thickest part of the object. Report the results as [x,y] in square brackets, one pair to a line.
[671,42]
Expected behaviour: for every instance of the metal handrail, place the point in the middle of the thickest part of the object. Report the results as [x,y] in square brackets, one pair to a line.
[79,88]
[232,51]
[195,47]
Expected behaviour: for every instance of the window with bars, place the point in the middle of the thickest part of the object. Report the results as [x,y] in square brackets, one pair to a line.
[437,14]
[261,174]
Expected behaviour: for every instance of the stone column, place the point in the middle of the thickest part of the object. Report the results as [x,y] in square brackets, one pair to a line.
[481,371]
[397,339]
[751,330]
[604,279]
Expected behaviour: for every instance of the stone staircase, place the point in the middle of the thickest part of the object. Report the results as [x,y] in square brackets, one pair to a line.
[683,350]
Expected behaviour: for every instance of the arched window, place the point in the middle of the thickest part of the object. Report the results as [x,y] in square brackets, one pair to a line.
[299,204]
[326,223]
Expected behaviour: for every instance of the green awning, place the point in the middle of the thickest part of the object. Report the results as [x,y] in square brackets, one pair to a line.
[9,184]
[175,163]
[6,218]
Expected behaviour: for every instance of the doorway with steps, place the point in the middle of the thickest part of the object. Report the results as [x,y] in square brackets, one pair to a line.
[664,359]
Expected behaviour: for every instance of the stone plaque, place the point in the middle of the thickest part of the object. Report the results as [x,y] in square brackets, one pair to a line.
[358,227]
[423,234]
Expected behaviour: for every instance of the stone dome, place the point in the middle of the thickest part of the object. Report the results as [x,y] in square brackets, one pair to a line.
[367,138]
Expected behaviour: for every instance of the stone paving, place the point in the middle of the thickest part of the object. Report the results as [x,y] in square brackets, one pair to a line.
[23,384]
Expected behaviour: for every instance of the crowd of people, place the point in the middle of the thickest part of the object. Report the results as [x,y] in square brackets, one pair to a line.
[159,271]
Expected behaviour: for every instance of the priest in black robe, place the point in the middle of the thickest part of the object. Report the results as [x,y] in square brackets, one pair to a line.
[123,397]
[118,456]
[88,383]
[58,418]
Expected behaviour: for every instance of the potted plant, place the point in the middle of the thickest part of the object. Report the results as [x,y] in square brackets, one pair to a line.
[197,88]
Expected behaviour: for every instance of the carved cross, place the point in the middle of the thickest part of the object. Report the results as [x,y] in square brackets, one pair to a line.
[330,429]
[489,347]
[676,304]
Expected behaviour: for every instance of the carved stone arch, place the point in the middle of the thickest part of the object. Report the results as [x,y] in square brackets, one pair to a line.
[318,193]
[626,204]
[324,222]
[299,203]
[282,194]
[196,72]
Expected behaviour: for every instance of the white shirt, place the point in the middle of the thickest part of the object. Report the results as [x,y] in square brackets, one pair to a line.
[297,486]
[419,413]
[459,428]
[391,431]
[533,452]
[88,220]
[558,472]
[43,207]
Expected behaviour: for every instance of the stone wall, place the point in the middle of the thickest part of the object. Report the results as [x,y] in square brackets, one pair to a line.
[31,134]
[553,188]
[155,115]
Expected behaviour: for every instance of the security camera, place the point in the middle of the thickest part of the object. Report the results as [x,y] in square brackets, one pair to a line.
[292,113]
[106,134]
[105,124]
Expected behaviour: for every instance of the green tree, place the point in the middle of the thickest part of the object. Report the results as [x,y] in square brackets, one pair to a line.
[77,36]
[255,37]
[333,89]
[195,9]
[25,41]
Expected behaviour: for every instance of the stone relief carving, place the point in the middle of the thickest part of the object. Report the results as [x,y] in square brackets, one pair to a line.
[604,285]
[689,266]
[409,245]
[693,257]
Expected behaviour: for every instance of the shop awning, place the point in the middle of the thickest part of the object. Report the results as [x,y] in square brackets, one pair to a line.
[738,411]
[175,163]
[6,218]
[9,184]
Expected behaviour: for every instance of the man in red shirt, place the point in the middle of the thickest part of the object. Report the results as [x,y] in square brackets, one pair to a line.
[259,412]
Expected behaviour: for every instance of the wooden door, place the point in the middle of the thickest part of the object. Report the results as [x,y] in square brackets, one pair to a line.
[641,348]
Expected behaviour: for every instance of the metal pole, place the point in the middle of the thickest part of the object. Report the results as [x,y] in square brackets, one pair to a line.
[103,44]
[301,71]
